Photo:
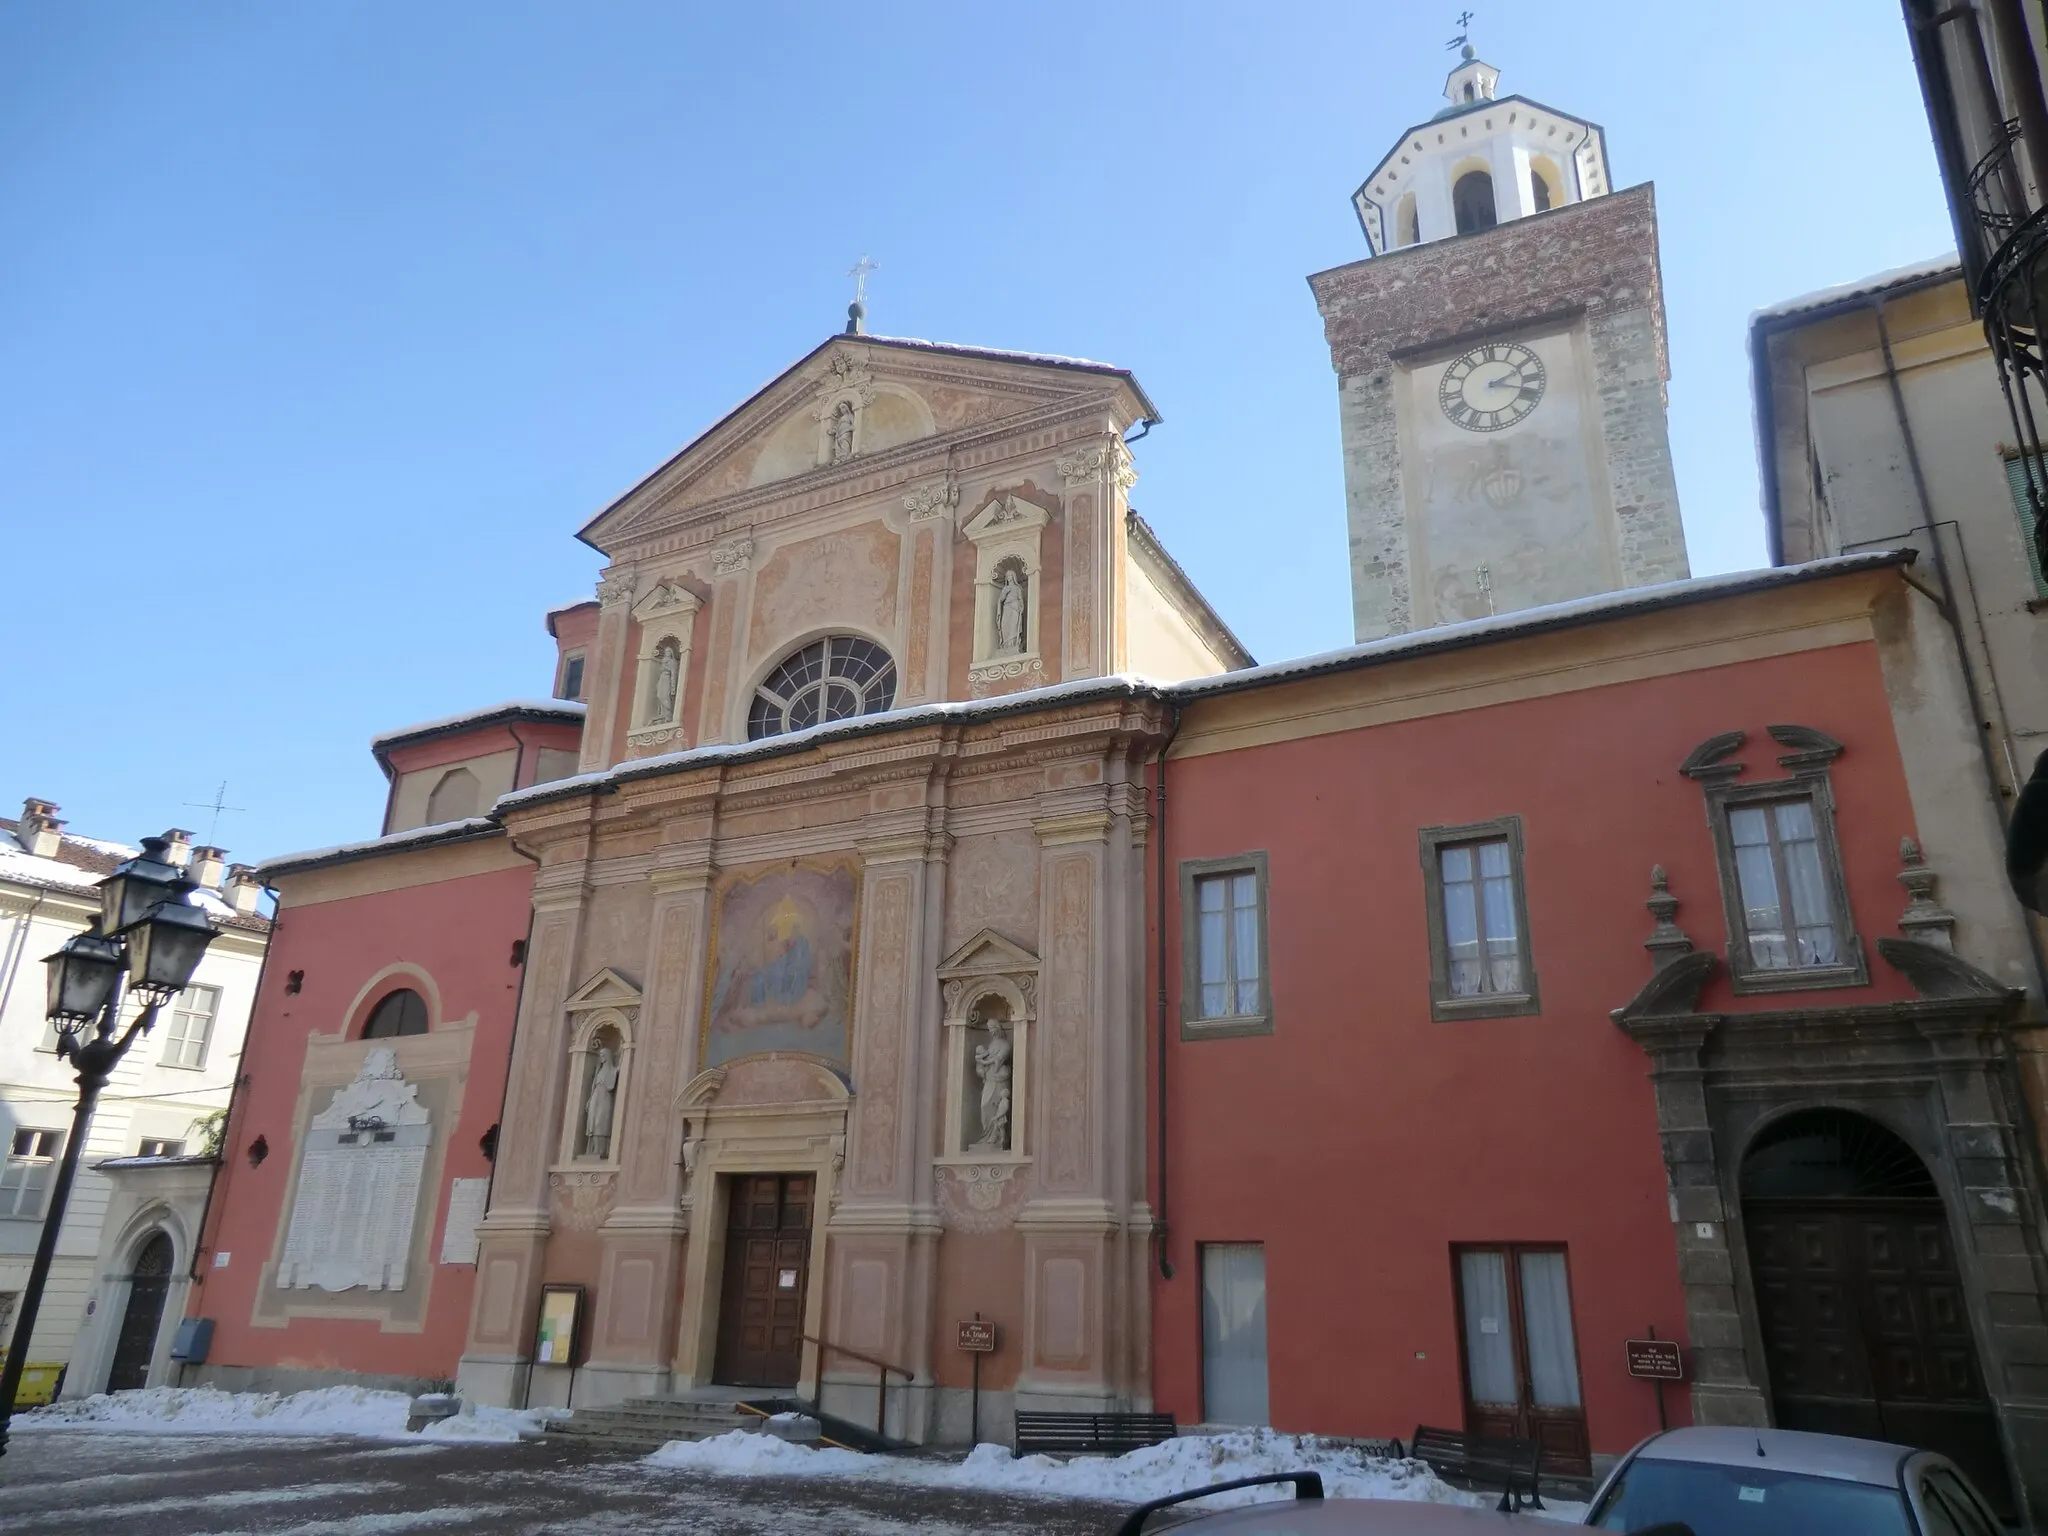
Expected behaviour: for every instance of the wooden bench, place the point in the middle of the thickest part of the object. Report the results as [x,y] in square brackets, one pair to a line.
[1484,1461]
[1086,1434]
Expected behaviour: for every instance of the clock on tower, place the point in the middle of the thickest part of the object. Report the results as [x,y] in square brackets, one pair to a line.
[1501,366]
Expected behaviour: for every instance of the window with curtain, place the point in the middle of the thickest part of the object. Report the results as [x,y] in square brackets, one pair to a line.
[1788,918]
[1234,1333]
[1224,942]
[191,1026]
[1520,1350]
[31,1164]
[1478,920]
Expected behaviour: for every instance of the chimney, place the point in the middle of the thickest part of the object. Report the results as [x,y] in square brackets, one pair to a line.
[208,865]
[179,853]
[243,888]
[39,831]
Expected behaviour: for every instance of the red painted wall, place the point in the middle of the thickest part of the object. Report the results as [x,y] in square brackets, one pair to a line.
[461,932]
[1361,1140]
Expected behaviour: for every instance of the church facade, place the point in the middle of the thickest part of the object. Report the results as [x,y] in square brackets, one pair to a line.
[915,908]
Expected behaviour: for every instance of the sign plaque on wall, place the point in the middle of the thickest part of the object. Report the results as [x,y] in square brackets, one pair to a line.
[561,1318]
[1655,1359]
[978,1338]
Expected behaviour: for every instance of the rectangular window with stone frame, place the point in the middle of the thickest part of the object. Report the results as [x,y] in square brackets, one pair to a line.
[1226,984]
[1780,865]
[1480,962]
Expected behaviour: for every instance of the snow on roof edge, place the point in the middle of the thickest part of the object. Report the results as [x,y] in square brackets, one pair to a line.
[1876,282]
[1012,353]
[390,842]
[566,709]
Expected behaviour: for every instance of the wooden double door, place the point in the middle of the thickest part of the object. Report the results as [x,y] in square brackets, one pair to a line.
[1520,1350]
[1865,1327]
[135,1345]
[767,1276]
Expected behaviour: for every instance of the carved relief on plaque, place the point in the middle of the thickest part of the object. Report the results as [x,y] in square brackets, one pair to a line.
[359,1184]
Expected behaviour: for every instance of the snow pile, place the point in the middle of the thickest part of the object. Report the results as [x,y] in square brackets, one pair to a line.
[356,1411]
[1151,1473]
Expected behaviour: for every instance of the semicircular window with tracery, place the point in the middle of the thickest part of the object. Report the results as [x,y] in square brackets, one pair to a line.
[836,678]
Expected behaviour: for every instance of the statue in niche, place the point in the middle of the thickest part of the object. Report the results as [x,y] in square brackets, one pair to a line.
[668,667]
[1010,595]
[992,1066]
[842,431]
[599,1101]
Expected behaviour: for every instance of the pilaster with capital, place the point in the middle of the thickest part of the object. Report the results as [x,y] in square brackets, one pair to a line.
[1097,479]
[614,624]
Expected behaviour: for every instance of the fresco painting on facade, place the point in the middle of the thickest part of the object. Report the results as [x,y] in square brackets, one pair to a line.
[781,977]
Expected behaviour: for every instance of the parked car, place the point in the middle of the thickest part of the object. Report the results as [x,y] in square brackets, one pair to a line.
[1310,1514]
[1784,1482]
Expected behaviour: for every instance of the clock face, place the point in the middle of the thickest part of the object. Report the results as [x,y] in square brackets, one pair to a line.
[1491,387]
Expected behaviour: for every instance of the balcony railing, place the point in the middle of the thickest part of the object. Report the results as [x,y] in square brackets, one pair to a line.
[2012,295]
[1998,193]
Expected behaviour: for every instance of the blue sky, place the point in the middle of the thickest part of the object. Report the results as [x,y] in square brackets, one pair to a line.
[322,328]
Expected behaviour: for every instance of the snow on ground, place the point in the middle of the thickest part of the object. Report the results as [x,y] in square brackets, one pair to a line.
[1154,1472]
[325,1411]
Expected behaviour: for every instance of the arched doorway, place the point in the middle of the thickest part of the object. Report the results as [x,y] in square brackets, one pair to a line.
[147,1287]
[1858,1294]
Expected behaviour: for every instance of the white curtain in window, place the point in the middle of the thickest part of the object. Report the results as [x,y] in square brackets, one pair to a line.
[1483,947]
[1234,1333]
[1489,1341]
[1244,943]
[1811,909]
[1757,877]
[1212,940]
[1547,1322]
[1503,953]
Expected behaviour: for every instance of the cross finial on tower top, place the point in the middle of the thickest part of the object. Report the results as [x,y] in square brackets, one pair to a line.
[857,311]
[1464,38]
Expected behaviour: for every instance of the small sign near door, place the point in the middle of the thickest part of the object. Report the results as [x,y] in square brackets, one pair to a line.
[785,1280]
[1654,1359]
[978,1338]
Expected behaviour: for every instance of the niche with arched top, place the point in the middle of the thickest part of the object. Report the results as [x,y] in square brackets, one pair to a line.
[457,796]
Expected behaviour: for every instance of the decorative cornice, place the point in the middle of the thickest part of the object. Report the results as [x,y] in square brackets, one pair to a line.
[1704,762]
[1674,990]
[615,589]
[1085,465]
[668,597]
[1941,975]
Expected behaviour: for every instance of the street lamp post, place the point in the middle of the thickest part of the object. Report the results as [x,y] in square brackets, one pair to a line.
[150,933]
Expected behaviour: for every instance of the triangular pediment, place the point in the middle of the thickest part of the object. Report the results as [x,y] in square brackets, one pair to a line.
[607,989]
[988,953]
[851,404]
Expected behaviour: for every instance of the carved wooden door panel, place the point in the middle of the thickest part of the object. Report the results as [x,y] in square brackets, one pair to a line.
[135,1345]
[1865,1327]
[767,1275]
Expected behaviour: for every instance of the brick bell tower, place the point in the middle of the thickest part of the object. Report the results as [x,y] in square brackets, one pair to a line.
[1501,367]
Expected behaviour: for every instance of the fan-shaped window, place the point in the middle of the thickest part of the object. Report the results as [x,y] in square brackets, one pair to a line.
[1472,202]
[456,796]
[1824,1154]
[833,679]
[402,1013]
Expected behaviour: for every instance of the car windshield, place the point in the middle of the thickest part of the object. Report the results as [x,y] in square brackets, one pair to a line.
[1748,1501]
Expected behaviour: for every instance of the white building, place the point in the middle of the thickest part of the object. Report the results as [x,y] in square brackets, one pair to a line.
[178,1074]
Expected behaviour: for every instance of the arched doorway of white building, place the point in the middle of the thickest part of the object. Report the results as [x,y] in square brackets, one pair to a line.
[149,1283]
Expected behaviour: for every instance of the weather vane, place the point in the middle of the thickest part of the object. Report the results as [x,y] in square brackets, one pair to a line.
[859,273]
[216,805]
[1464,31]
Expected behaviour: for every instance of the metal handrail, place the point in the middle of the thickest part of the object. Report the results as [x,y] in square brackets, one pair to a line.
[883,1367]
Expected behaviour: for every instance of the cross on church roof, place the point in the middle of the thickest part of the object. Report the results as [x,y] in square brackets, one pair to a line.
[859,273]
[1464,37]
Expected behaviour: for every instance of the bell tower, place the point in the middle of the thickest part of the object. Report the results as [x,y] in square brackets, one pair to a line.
[1501,368]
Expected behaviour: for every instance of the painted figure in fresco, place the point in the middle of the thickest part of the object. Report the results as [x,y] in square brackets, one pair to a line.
[1010,614]
[842,431]
[992,1066]
[598,1103]
[667,664]
[783,971]
[774,984]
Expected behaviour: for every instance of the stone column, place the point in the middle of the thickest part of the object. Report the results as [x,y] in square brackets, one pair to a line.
[607,667]
[512,1237]
[1097,479]
[643,1237]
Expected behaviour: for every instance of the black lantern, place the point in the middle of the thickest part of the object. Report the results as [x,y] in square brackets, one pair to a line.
[137,885]
[166,946]
[82,976]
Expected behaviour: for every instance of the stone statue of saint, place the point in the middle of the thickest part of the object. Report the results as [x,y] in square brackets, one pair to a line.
[1010,614]
[992,1066]
[842,431]
[597,1104]
[667,666]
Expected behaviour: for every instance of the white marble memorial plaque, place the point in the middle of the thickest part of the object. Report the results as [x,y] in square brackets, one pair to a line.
[465,1210]
[359,1184]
